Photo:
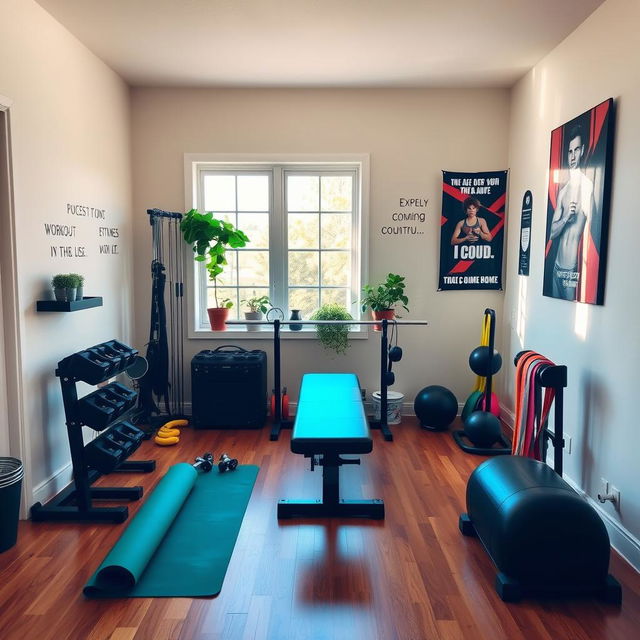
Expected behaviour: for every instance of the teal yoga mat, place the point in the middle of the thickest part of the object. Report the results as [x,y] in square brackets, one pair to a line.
[181,540]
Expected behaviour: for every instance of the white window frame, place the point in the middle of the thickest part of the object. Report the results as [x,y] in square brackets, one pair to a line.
[194,163]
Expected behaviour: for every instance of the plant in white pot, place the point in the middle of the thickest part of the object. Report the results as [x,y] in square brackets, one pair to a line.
[210,238]
[64,287]
[383,298]
[257,305]
[79,285]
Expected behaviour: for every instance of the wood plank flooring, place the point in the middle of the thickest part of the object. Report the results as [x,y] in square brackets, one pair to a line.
[412,576]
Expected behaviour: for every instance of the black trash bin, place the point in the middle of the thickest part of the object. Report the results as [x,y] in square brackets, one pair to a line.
[11,474]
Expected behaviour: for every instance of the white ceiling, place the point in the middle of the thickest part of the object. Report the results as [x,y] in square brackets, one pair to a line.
[321,43]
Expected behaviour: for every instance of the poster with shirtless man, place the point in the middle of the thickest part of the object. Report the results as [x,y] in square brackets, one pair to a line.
[578,207]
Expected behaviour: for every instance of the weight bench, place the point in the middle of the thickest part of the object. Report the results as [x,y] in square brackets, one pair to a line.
[330,421]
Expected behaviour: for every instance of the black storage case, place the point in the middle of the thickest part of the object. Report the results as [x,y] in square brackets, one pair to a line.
[229,388]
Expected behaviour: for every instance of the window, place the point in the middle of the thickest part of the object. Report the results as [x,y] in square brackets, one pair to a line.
[305,223]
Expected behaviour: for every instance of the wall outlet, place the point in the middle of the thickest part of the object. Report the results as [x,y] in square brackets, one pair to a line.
[567,443]
[604,487]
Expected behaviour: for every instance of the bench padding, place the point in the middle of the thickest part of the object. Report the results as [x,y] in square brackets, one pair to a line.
[330,416]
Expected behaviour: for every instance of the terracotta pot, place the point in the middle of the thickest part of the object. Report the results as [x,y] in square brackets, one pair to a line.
[389,314]
[217,318]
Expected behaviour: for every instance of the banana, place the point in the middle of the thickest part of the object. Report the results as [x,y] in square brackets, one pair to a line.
[175,423]
[165,442]
[168,433]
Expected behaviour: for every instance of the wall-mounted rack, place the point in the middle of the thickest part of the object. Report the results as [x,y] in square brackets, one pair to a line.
[72,305]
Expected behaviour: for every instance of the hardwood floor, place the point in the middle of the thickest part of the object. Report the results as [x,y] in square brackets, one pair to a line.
[411,576]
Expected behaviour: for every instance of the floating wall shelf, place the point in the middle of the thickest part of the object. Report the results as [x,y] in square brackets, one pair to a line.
[75,305]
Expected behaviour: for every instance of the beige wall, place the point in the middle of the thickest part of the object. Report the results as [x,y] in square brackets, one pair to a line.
[599,344]
[70,144]
[410,136]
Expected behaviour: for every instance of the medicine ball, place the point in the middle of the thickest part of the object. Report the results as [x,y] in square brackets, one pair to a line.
[482,428]
[436,407]
[482,364]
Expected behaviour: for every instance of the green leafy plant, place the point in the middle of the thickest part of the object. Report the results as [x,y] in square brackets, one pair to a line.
[258,303]
[385,295]
[336,336]
[210,238]
[64,281]
[225,303]
[79,279]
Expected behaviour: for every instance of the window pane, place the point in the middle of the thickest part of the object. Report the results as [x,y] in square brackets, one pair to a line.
[303,193]
[336,268]
[336,230]
[223,292]
[251,292]
[303,267]
[336,193]
[253,268]
[303,230]
[253,193]
[256,226]
[219,193]
[304,299]
[336,296]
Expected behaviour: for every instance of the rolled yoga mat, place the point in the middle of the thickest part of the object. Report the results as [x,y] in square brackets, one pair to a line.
[181,540]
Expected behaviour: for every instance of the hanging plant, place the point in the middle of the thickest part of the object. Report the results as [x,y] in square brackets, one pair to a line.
[334,337]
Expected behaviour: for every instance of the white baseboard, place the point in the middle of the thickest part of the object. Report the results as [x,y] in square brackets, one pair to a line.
[623,541]
[49,488]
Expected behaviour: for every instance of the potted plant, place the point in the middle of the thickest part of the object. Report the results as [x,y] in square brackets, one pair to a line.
[257,306]
[383,298]
[64,287]
[336,336]
[210,238]
[79,279]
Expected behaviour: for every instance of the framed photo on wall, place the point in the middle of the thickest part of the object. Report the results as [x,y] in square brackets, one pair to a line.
[578,206]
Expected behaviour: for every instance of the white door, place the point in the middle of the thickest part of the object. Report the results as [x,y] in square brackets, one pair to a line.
[4,207]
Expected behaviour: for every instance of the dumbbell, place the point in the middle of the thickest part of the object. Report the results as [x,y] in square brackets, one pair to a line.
[226,463]
[204,462]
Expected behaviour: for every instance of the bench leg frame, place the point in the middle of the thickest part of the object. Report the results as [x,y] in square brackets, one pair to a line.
[331,505]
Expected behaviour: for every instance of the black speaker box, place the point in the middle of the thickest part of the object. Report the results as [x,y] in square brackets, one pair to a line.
[229,388]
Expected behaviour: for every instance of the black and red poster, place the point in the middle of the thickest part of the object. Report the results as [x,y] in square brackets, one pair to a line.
[578,206]
[472,230]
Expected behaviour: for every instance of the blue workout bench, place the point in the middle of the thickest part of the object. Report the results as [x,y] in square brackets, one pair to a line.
[330,421]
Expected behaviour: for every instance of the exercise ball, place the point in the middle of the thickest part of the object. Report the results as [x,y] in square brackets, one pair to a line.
[436,407]
[482,428]
[482,364]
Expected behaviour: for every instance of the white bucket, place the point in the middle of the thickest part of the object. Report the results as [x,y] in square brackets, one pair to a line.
[394,406]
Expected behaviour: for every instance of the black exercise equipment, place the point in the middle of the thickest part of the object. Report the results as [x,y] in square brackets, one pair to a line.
[278,421]
[105,410]
[330,421]
[204,462]
[227,464]
[542,537]
[436,407]
[485,430]
[163,382]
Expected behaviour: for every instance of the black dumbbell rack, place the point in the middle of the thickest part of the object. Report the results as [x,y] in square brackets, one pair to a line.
[104,410]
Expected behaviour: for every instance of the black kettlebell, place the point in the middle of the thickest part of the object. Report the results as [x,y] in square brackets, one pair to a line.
[226,463]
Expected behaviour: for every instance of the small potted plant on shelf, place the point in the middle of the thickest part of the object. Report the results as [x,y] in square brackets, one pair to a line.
[257,305]
[383,298]
[210,238]
[79,280]
[64,287]
[334,337]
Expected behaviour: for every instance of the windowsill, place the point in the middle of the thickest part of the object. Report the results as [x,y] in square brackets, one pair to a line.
[267,334]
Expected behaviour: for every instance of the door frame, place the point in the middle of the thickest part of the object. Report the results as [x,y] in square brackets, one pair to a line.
[19,444]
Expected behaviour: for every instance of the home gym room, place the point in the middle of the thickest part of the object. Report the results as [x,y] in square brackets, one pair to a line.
[466,469]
